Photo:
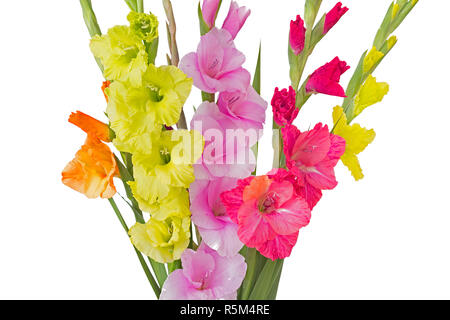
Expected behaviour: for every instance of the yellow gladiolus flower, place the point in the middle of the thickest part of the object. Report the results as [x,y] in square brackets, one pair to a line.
[163,241]
[137,114]
[357,139]
[371,92]
[122,54]
[168,166]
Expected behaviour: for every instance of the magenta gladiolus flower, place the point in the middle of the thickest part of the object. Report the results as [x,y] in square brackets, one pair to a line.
[326,79]
[297,35]
[269,213]
[246,108]
[333,17]
[235,19]
[205,276]
[225,154]
[312,156]
[209,11]
[217,64]
[210,216]
[283,106]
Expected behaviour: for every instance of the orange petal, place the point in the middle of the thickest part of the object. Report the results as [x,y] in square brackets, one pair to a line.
[92,170]
[90,125]
[257,188]
[104,86]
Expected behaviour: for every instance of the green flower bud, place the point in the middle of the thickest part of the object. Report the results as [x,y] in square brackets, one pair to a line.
[144,26]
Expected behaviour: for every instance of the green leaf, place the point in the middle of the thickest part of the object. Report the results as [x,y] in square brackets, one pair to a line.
[255,263]
[126,176]
[132,4]
[152,50]
[294,67]
[384,30]
[403,13]
[204,29]
[266,280]
[353,87]
[257,77]
[257,86]
[311,9]
[273,292]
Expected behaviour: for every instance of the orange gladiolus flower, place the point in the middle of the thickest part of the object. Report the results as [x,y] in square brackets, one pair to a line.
[91,126]
[92,170]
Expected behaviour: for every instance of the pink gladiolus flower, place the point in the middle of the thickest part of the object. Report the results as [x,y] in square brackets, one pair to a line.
[333,17]
[269,213]
[326,79]
[210,216]
[283,106]
[217,64]
[235,19]
[312,156]
[205,276]
[297,35]
[246,108]
[227,150]
[209,11]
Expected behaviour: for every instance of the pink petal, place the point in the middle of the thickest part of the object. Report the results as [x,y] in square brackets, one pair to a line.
[189,66]
[311,195]
[209,11]
[197,267]
[228,275]
[278,248]
[178,287]
[289,218]
[312,146]
[235,19]
[232,199]
[253,229]
[322,175]
[225,241]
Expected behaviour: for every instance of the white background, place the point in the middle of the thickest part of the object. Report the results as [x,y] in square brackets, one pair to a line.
[384,237]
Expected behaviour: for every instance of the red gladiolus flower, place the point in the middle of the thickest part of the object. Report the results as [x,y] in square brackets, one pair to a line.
[283,106]
[297,35]
[326,79]
[334,16]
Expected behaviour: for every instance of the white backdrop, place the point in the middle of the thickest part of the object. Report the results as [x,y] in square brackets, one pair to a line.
[384,237]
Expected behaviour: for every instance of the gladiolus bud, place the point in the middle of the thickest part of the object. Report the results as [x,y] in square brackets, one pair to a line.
[209,11]
[297,35]
[334,16]
[235,19]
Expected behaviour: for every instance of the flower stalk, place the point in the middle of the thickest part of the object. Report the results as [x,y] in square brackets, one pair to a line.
[144,265]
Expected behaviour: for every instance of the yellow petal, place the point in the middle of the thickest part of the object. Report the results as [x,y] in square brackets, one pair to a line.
[372,58]
[163,241]
[356,138]
[371,92]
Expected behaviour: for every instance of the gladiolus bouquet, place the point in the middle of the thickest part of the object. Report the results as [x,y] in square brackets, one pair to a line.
[206,226]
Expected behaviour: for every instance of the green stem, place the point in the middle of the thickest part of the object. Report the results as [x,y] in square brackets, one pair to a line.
[173,46]
[126,177]
[144,265]
[140,6]
[160,271]
[91,23]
